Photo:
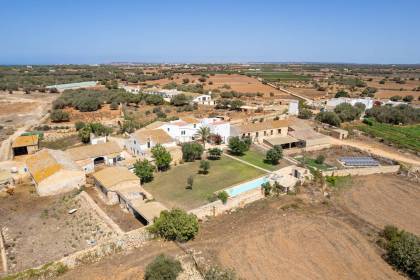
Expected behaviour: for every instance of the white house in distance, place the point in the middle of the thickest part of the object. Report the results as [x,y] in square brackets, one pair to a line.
[203,99]
[333,102]
[142,140]
[132,89]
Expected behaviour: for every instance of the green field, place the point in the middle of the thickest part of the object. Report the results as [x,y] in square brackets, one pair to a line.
[273,76]
[407,137]
[257,158]
[170,187]
[312,163]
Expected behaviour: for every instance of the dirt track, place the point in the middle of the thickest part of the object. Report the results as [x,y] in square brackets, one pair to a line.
[385,199]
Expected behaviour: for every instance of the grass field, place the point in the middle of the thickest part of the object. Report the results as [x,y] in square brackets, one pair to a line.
[407,137]
[312,163]
[170,187]
[280,75]
[257,158]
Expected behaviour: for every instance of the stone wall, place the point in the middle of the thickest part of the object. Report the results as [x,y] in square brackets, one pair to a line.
[217,207]
[362,171]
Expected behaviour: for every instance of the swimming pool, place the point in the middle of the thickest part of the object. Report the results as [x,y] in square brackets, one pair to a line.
[234,191]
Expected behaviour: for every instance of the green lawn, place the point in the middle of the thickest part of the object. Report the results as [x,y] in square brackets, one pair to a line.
[311,163]
[170,187]
[257,158]
[407,137]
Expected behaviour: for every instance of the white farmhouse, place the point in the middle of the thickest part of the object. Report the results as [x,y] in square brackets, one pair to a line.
[203,99]
[142,140]
[333,102]
[182,130]
[218,126]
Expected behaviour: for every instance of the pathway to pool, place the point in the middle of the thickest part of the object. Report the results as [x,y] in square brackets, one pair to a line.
[250,164]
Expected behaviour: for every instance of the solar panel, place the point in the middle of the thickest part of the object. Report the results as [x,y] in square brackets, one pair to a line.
[359,161]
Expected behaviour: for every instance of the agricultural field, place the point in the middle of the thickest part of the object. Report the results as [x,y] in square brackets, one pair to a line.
[407,137]
[170,187]
[392,201]
[275,76]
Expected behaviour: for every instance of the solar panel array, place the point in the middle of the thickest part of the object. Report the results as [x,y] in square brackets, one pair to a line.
[359,161]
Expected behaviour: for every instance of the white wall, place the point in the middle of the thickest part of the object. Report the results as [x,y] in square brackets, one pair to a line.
[182,134]
[137,148]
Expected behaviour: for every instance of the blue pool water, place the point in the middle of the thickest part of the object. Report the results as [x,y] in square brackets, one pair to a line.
[234,191]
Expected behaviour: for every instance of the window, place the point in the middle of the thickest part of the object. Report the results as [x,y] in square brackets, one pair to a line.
[134,142]
[279,131]
[168,128]
[195,125]
[182,132]
[148,144]
[265,133]
[272,132]
[256,134]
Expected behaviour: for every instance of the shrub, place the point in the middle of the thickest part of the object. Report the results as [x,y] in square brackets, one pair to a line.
[238,146]
[163,267]
[180,100]
[153,99]
[79,125]
[408,98]
[223,196]
[59,116]
[236,104]
[403,250]
[192,151]
[394,115]
[114,105]
[190,182]
[217,273]
[204,166]
[320,159]
[330,118]
[176,225]
[346,112]
[162,157]
[214,153]
[341,93]
[395,98]
[144,170]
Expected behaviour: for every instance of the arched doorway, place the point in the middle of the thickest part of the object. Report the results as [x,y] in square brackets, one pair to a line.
[99,160]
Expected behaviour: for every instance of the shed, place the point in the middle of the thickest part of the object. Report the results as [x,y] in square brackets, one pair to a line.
[25,145]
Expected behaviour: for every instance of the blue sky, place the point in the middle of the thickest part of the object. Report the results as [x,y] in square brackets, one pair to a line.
[76,31]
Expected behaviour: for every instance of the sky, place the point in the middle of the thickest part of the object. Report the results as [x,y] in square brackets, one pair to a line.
[204,31]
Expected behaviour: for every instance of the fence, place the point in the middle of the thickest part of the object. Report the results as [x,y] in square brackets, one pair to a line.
[362,171]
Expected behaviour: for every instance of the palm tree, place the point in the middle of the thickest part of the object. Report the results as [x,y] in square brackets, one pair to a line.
[204,133]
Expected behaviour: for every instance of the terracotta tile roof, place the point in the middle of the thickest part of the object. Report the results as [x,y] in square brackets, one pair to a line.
[111,176]
[47,162]
[27,140]
[158,136]
[93,151]
[258,126]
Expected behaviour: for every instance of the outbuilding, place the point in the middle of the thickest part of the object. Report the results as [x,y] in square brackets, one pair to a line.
[25,145]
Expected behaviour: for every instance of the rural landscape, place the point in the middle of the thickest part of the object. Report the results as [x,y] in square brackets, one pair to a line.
[169,168]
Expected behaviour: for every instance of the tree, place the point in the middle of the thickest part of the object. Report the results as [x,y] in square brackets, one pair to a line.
[114,105]
[346,112]
[180,100]
[223,196]
[59,116]
[320,159]
[305,113]
[330,118]
[395,98]
[84,134]
[273,156]
[408,98]
[154,99]
[236,104]
[190,182]
[204,166]
[214,153]
[162,157]
[144,170]
[341,93]
[163,267]
[204,134]
[185,80]
[238,146]
[175,224]
[266,188]
[277,188]
[216,139]
[192,151]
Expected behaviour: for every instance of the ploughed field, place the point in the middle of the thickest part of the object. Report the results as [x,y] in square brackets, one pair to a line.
[384,199]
